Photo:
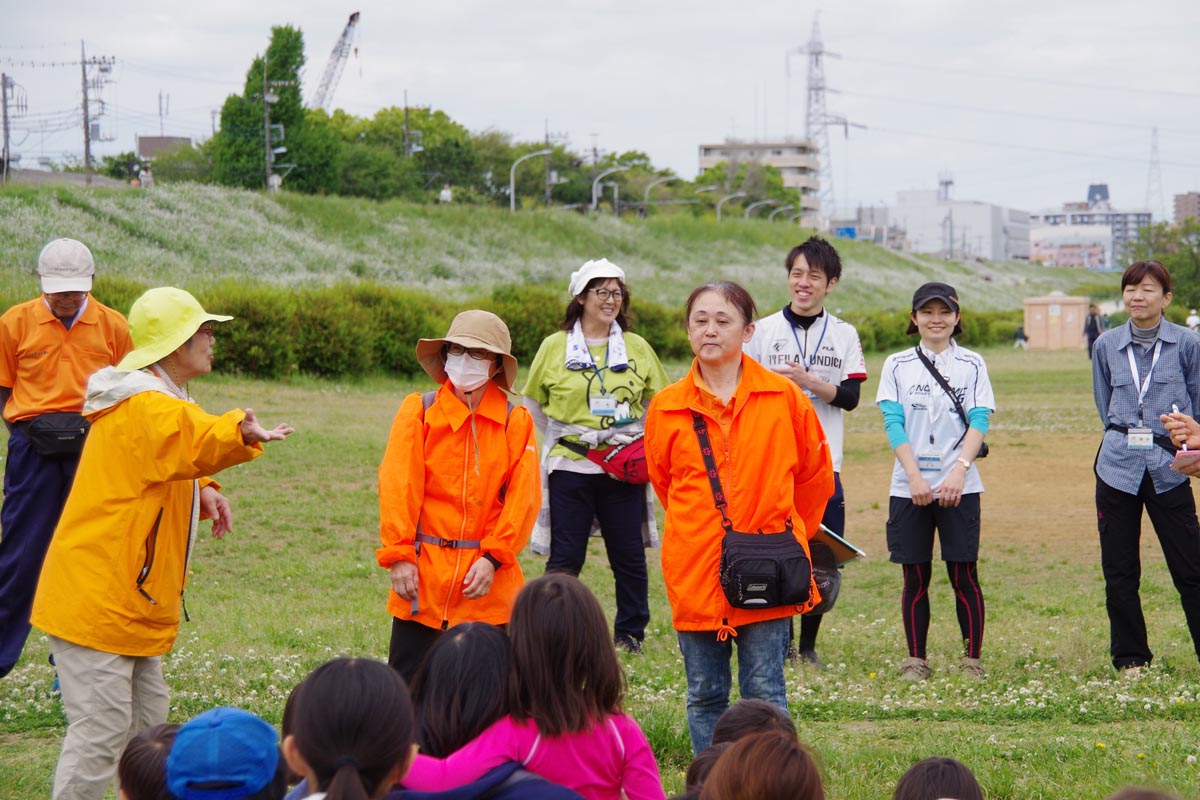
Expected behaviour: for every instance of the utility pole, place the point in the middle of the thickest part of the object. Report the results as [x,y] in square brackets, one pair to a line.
[4,84]
[87,126]
[162,112]
[269,98]
[551,176]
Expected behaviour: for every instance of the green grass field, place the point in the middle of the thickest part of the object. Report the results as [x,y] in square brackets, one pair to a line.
[296,584]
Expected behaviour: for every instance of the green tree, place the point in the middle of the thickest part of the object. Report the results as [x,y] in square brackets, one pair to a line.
[370,170]
[239,149]
[185,163]
[122,166]
[1178,248]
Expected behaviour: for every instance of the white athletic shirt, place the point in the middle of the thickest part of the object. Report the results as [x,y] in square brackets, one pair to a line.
[929,412]
[831,351]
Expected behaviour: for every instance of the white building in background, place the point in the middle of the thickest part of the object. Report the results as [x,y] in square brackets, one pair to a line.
[1097,210]
[1086,246]
[960,229]
[796,160]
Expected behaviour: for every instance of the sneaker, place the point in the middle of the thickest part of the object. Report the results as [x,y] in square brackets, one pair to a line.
[972,667]
[628,644]
[914,669]
[809,656]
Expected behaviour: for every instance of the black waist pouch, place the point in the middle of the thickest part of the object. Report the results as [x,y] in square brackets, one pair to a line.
[57,436]
[764,570]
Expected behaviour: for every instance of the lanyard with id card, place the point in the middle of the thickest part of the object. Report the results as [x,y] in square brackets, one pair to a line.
[1141,437]
[604,404]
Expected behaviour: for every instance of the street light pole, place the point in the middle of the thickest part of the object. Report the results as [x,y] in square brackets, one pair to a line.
[721,202]
[750,208]
[596,185]
[652,184]
[780,210]
[512,178]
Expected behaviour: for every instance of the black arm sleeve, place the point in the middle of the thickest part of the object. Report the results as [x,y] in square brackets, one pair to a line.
[847,394]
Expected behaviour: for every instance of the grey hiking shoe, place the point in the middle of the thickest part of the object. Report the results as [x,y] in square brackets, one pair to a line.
[809,656]
[914,669]
[973,668]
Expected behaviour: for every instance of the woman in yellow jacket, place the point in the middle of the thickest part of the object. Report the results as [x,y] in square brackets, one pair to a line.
[774,468]
[111,588]
[459,490]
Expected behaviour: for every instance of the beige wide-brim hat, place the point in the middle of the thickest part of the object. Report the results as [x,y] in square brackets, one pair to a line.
[160,321]
[470,329]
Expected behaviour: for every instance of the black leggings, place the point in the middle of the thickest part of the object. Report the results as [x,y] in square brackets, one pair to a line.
[968,602]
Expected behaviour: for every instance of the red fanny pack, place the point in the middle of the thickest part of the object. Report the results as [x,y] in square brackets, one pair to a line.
[625,462]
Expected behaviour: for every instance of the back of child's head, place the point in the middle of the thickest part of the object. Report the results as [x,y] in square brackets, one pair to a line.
[566,676]
[226,754]
[751,715]
[142,770]
[287,724]
[702,764]
[938,779]
[771,765]
[354,729]
[1140,793]
[461,687]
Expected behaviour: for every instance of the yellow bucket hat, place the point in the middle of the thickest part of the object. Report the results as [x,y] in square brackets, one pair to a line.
[160,321]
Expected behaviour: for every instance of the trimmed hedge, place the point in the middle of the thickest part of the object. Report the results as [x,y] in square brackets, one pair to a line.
[353,330]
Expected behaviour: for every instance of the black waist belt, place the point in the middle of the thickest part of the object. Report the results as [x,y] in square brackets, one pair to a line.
[1162,441]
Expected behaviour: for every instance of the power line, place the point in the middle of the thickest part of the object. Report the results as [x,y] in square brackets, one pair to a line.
[1027,148]
[1023,114]
[1023,78]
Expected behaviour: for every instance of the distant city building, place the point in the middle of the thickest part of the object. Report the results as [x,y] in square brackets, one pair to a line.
[868,223]
[796,160]
[1187,206]
[1087,246]
[149,147]
[1097,210]
[961,229]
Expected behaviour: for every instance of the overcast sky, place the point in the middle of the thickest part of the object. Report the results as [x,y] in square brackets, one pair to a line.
[1024,103]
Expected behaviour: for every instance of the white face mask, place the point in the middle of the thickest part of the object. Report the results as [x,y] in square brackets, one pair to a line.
[468,373]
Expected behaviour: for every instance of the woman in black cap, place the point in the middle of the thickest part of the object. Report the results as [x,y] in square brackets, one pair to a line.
[936,400]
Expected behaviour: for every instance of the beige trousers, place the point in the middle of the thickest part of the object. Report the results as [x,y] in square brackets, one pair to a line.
[108,699]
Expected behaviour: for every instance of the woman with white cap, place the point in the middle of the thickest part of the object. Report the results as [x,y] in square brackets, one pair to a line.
[111,590]
[458,491]
[588,388]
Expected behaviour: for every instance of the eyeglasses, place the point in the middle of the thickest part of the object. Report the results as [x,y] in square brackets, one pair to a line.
[477,353]
[605,294]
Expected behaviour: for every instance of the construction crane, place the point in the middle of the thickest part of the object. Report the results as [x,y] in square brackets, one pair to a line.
[333,70]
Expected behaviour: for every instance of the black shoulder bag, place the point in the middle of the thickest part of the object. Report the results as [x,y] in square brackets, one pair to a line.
[758,570]
[958,406]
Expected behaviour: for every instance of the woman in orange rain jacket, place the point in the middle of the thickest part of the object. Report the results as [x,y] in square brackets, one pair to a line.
[774,466]
[459,490]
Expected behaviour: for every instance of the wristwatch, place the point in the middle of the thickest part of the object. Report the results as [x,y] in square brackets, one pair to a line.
[966,464]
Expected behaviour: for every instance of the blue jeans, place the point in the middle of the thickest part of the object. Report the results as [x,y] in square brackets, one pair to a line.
[762,649]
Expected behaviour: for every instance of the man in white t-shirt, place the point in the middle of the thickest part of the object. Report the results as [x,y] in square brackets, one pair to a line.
[823,356]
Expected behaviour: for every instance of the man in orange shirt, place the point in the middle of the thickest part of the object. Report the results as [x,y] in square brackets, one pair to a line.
[49,347]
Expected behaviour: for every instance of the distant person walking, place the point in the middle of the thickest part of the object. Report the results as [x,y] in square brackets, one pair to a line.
[48,348]
[1144,370]
[1020,339]
[823,356]
[1093,326]
[1193,321]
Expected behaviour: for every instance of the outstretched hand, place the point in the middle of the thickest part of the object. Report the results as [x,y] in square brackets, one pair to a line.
[253,432]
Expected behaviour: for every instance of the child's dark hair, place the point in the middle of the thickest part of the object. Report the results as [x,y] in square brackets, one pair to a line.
[748,716]
[142,770]
[935,778]
[354,724]
[818,254]
[702,764]
[287,726]
[771,765]
[460,687]
[566,676]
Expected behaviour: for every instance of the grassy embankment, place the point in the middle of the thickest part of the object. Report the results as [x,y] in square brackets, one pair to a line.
[192,236]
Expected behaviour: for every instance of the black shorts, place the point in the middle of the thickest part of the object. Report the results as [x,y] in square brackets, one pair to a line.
[910,530]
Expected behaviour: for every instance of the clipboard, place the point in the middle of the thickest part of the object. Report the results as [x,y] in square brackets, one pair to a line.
[843,551]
